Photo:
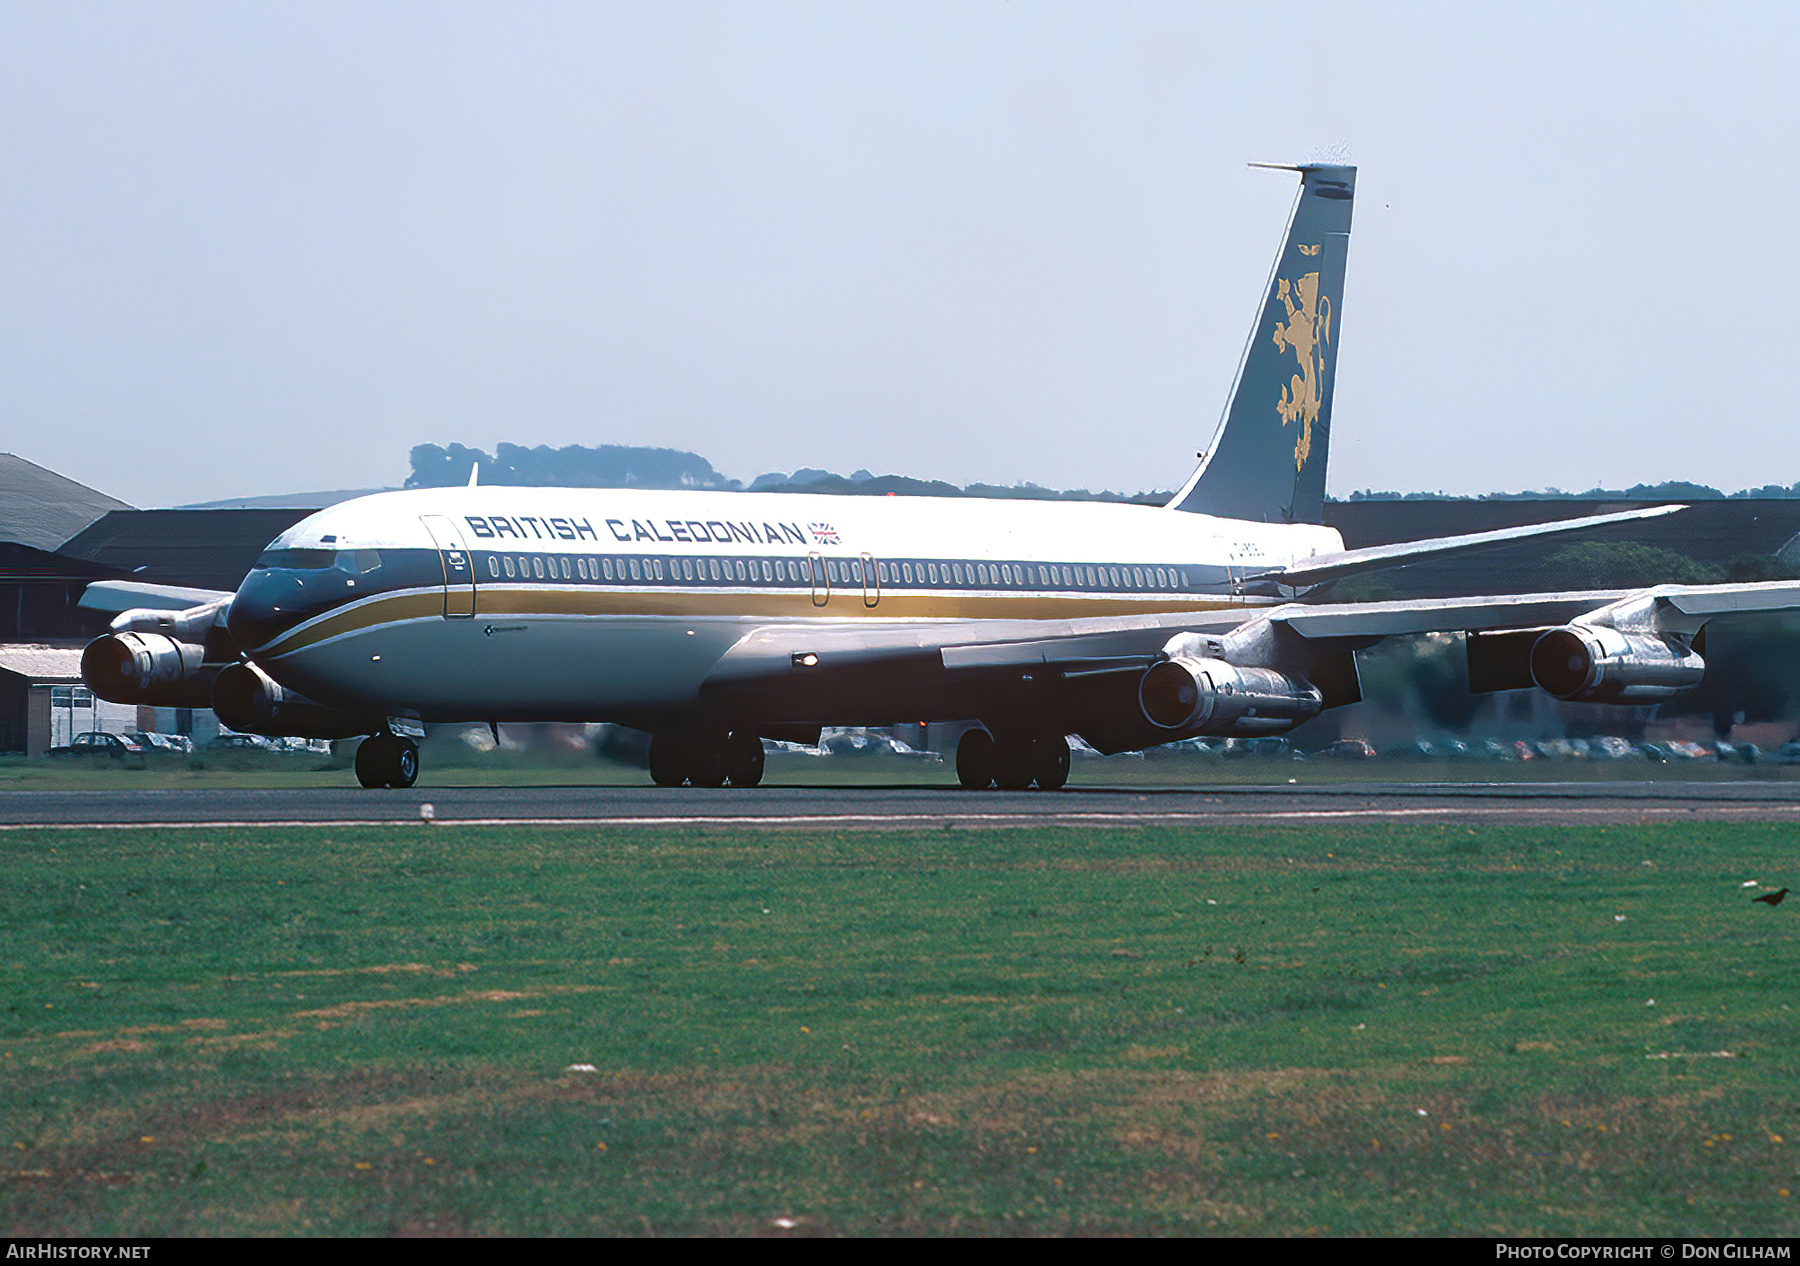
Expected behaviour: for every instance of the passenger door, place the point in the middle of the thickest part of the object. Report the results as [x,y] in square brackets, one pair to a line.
[459,568]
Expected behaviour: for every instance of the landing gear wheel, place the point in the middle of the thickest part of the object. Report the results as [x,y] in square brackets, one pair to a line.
[372,760]
[696,756]
[1012,763]
[975,760]
[1050,761]
[668,759]
[405,766]
[382,760]
[706,759]
[743,758]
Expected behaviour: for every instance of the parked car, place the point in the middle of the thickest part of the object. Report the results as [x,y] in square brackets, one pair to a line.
[100,743]
[240,742]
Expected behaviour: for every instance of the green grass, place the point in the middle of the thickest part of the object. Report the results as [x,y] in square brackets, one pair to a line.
[1374,1030]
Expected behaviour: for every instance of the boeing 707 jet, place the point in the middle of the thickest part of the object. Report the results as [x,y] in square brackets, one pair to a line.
[716,620]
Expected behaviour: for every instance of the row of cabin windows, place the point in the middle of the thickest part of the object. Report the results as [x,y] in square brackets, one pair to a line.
[848,572]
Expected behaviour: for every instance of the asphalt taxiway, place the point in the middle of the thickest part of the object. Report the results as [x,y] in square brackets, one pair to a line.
[909,807]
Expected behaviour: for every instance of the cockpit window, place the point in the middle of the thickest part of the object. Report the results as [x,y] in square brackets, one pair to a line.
[298,559]
[360,561]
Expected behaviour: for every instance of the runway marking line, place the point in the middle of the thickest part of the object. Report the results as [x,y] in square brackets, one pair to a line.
[815,820]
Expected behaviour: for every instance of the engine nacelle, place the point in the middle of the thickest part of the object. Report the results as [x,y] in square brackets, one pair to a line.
[1210,696]
[248,700]
[148,669]
[1594,664]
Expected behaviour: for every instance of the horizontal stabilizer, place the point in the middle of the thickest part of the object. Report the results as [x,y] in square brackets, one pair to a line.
[1322,567]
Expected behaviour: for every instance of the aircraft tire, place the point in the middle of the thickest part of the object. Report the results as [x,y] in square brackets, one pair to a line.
[404,764]
[706,758]
[1050,761]
[371,760]
[668,759]
[383,760]
[975,760]
[743,759]
[1012,763]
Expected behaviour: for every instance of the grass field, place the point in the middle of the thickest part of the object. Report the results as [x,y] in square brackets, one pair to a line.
[444,1030]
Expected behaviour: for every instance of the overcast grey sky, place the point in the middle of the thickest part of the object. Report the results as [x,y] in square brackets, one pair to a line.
[262,247]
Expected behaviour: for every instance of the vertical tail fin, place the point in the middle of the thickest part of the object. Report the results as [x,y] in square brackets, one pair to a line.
[1268,461]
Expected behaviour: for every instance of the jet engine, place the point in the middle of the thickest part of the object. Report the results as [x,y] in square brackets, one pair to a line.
[1210,696]
[248,700]
[1594,664]
[149,669]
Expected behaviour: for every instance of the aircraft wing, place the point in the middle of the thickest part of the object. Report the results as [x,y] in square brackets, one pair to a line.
[1638,645]
[1074,644]
[133,595]
[1322,567]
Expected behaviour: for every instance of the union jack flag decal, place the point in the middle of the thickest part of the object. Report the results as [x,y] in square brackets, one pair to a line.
[824,533]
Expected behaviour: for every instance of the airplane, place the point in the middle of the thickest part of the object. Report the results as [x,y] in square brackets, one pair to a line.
[715,620]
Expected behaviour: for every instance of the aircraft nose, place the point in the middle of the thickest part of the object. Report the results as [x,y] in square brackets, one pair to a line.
[269,602]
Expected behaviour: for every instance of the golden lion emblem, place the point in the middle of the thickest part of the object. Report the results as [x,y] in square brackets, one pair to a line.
[1307,331]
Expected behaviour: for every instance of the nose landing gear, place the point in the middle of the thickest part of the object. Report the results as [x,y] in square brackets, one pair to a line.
[386,760]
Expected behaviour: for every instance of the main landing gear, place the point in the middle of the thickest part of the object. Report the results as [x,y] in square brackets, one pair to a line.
[1012,762]
[387,760]
[706,758]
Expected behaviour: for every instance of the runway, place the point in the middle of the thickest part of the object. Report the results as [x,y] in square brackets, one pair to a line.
[906,807]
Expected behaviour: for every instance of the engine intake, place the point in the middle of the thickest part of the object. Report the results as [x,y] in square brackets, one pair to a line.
[1594,664]
[148,669]
[1210,696]
[248,700]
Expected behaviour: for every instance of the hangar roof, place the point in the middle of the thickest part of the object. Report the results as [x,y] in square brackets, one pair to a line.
[40,662]
[41,508]
[207,549]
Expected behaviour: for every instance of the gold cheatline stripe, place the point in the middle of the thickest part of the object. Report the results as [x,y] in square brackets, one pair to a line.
[515,603]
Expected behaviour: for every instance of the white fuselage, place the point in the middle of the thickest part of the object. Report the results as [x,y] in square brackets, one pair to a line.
[561,603]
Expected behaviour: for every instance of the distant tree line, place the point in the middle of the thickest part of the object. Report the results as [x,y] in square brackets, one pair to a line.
[627,466]
[631,466]
[575,466]
[1670,490]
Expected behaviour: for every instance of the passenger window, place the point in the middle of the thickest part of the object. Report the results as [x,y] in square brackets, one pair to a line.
[509,566]
[493,566]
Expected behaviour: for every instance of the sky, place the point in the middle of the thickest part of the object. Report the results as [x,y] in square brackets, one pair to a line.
[249,249]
